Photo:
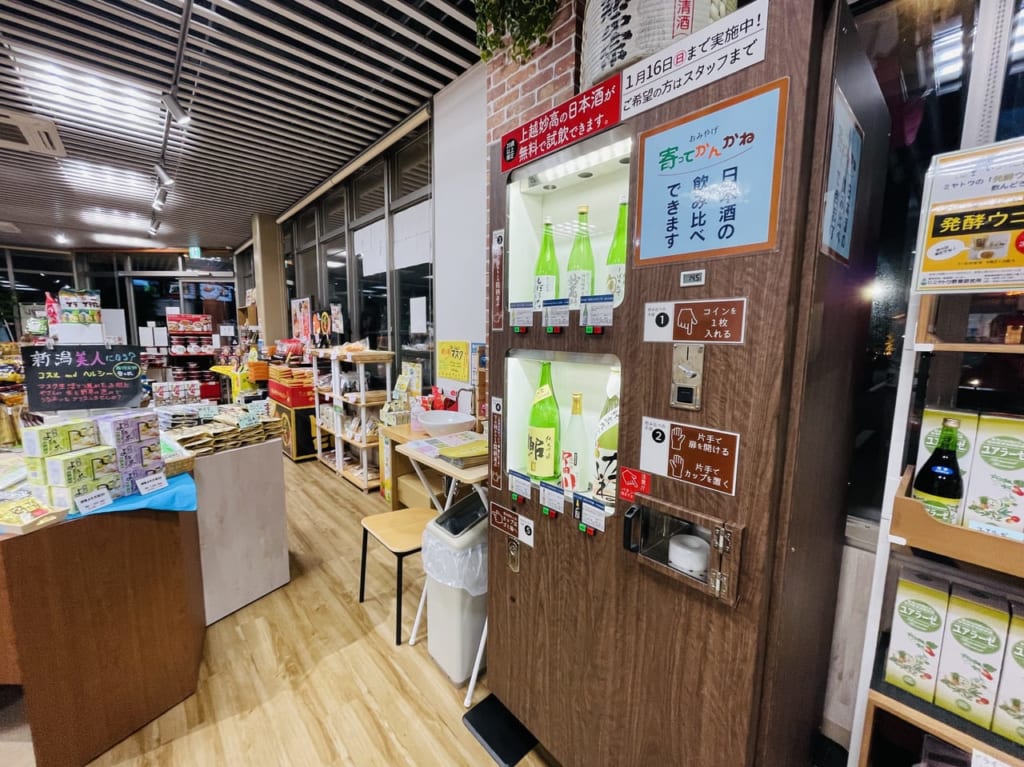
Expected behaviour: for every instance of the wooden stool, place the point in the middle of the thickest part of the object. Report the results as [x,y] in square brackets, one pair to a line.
[401,533]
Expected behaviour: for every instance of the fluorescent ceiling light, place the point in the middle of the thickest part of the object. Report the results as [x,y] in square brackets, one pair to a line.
[106,180]
[123,240]
[62,239]
[180,116]
[610,152]
[163,176]
[114,219]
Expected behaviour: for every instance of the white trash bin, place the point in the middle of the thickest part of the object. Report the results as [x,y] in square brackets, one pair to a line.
[455,561]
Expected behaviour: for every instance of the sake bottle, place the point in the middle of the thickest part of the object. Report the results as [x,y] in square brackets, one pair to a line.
[616,262]
[580,270]
[542,437]
[939,483]
[575,458]
[545,272]
[606,443]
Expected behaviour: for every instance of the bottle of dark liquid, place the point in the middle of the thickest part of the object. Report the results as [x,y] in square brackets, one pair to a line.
[939,484]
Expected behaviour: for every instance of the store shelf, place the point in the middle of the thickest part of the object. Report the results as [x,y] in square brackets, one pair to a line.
[324,429]
[186,333]
[328,460]
[942,346]
[379,398]
[913,526]
[357,443]
[354,357]
[201,354]
[358,481]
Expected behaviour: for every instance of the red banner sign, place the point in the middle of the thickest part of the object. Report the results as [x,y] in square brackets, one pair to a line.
[582,116]
[631,482]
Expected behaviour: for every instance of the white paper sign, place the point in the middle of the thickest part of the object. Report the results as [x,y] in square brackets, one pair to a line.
[206,412]
[248,420]
[521,314]
[526,530]
[978,759]
[93,501]
[552,497]
[596,311]
[520,484]
[228,331]
[146,336]
[418,314]
[259,407]
[592,513]
[556,313]
[730,45]
[160,336]
[151,483]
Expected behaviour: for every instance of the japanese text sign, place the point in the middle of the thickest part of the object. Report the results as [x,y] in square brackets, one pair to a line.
[82,377]
[453,360]
[843,171]
[711,321]
[972,235]
[591,112]
[512,524]
[693,454]
[709,182]
[731,44]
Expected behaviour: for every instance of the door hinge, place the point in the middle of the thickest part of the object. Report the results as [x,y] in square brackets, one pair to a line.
[721,538]
[719,583]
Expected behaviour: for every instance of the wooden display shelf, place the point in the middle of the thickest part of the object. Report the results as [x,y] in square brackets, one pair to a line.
[379,397]
[365,486]
[328,460]
[326,430]
[912,524]
[931,328]
[356,442]
[943,346]
[354,357]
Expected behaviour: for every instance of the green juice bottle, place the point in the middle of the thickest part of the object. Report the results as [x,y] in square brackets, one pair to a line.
[542,450]
[616,262]
[545,273]
[580,270]
[606,443]
[939,485]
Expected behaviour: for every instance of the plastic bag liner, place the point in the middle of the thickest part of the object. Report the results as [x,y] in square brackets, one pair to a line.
[458,568]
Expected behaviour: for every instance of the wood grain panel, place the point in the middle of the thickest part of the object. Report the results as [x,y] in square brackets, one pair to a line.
[10,672]
[108,613]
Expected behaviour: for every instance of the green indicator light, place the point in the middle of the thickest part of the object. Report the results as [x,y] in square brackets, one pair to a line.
[515,497]
[590,330]
[515,329]
[550,329]
[583,528]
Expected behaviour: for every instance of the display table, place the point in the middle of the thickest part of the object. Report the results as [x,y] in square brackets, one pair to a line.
[101,622]
[243,527]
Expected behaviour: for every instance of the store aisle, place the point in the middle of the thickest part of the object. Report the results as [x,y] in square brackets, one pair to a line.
[307,676]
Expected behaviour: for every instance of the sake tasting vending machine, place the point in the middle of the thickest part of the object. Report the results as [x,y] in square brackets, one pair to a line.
[676,317]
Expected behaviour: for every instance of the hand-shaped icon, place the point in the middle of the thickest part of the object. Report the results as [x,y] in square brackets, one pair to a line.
[675,467]
[677,438]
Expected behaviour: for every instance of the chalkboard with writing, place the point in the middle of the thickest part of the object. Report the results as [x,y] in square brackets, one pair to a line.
[82,377]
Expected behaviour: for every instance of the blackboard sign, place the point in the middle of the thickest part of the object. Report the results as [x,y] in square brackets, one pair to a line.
[82,377]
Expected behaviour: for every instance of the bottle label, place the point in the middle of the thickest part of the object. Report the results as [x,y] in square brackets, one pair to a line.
[943,509]
[580,284]
[606,457]
[542,394]
[571,471]
[540,448]
[543,290]
[617,281]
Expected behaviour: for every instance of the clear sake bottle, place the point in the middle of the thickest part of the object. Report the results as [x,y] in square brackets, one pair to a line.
[615,265]
[580,269]
[606,443]
[542,443]
[575,458]
[545,272]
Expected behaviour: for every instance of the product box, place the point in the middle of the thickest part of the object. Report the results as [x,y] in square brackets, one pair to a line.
[40,493]
[64,497]
[137,455]
[931,427]
[994,502]
[56,438]
[1009,714]
[24,515]
[78,465]
[123,428]
[35,471]
[128,486]
[918,625]
[972,654]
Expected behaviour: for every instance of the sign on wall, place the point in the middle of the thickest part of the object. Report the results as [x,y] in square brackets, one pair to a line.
[843,172]
[82,377]
[696,455]
[709,182]
[705,321]
[453,360]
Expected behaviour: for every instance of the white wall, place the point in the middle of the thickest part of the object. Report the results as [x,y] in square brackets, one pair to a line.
[460,212]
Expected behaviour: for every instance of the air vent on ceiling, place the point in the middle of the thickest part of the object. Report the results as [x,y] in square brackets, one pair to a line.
[28,133]
[6,227]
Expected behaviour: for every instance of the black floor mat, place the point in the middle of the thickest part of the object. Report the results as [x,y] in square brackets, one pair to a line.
[497,729]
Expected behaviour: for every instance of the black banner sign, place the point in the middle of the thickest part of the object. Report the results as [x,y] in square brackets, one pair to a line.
[82,377]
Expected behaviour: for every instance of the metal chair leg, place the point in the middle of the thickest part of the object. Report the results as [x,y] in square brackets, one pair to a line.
[398,607]
[362,567]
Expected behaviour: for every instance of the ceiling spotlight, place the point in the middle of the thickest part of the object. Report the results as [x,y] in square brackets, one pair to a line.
[181,117]
[154,227]
[62,239]
[160,199]
[163,176]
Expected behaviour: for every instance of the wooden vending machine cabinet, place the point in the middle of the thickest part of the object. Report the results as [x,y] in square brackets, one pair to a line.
[751,201]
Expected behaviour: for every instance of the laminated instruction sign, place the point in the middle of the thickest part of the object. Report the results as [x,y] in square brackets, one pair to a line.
[82,377]
[972,232]
[696,455]
[709,182]
[843,172]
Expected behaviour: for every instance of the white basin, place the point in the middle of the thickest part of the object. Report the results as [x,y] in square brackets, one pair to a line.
[438,422]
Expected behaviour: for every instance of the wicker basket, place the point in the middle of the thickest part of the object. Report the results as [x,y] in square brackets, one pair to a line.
[179,464]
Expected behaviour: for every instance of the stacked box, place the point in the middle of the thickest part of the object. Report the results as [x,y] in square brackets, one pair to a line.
[994,502]
[1009,714]
[140,455]
[917,632]
[54,439]
[129,477]
[64,497]
[972,657]
[36,471]
[79,465]
[127,427]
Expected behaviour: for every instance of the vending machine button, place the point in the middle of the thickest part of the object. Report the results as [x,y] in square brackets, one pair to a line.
[554,329]
[583,528]
[590,532]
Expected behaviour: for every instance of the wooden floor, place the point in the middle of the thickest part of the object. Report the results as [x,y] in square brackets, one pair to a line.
[308,676]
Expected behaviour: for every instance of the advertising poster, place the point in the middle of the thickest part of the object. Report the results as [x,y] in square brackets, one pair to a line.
[302,319]
[709,182]
[82,377]
[843,172]
[453,360]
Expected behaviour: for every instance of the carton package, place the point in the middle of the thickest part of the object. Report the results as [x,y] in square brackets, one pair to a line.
[40,493]
[931,427]
[122,428]
[994,502]
[64,497]
[54,439]
[128,477]
[35,469]
[21,516]
[78,465]
[1008,720]
[137,455]
[918,625]
[972,654]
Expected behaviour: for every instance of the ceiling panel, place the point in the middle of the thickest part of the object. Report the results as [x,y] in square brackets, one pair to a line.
[281,94]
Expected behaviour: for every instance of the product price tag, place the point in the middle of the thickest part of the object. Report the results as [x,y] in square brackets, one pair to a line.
[208,412]
[979,759]
[248,420]
[520,485]
[592,512]
[521,314]
[92,501]
[151,484]
[556,313]
[259,407]
[596,311]
[552,497]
